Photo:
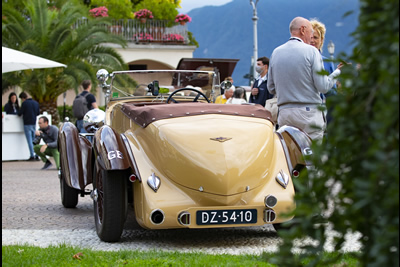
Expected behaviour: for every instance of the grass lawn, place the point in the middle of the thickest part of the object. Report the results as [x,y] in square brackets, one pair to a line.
[63,255]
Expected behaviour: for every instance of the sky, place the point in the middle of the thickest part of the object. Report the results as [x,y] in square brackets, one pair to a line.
[188,5]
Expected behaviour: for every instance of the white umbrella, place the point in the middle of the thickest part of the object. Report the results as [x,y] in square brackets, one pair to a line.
[12,60]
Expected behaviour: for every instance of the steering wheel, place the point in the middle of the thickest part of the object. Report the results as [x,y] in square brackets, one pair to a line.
[189,89]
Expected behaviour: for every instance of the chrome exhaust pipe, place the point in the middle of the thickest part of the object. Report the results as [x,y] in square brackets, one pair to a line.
[157,217]
[269,216]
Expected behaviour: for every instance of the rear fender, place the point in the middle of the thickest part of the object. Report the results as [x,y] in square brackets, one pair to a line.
[75,156]
[110,149]
[297,145]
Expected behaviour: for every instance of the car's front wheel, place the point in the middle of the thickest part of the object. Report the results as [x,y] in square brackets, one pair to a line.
[69,196]
[110,203]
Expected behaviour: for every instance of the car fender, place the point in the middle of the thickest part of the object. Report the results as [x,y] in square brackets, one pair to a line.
[110,150]
[75,156]
[297,145]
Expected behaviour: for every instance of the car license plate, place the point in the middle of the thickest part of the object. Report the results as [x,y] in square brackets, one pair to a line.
[207,217]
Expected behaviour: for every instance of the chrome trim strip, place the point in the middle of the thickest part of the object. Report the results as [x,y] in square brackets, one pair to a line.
[287,156]
[128,148]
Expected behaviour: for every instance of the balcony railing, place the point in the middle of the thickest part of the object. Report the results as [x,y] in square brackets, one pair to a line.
[149,32]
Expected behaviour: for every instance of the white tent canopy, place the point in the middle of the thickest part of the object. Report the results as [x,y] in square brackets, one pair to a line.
[13,60]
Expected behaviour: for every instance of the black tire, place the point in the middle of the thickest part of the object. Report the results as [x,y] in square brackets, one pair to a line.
[69,196]
[278,226]
[110,207]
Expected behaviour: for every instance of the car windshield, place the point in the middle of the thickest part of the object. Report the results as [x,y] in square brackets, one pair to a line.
[163,82]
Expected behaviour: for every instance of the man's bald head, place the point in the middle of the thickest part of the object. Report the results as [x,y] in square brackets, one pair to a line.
[301,27]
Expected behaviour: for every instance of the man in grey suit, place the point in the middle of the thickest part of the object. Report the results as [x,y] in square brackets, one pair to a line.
[293,77]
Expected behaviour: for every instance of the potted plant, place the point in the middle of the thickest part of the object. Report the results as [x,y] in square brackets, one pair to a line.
[172,37]
[143,15]
[182,19]
[143,37]
[100,11]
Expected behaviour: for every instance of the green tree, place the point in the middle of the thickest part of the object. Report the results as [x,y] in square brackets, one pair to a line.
[161,9]
[117,9]
[357,166]
[53,33]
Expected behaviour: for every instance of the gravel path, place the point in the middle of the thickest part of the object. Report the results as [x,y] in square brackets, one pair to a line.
[32,213]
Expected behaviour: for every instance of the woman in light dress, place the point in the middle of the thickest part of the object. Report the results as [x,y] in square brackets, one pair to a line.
[238,97]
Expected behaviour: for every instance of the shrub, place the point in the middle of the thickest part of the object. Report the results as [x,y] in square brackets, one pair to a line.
[99,12]
[143,14]
[183,18]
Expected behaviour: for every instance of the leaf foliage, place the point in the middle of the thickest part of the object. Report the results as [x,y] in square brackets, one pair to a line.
[355,185]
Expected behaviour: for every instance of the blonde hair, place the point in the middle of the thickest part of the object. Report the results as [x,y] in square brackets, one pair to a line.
[320,28]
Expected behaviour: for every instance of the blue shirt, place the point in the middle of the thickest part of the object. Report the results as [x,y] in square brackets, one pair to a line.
[329,67]
[29,111]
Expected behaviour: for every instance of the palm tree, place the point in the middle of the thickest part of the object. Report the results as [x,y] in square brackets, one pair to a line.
[54,34]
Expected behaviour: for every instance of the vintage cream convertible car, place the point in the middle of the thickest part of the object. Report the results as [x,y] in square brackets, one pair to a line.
[179,159]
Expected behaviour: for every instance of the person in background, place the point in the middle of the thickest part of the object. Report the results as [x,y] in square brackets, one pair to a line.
[259,92]
[294,77]
[237,97]
[223,98]
[318,41]
[91,103]
[141,91]
[49,134]
[29,111]
[229,79]
[12,106]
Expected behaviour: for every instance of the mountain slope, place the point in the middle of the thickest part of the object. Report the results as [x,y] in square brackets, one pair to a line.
[227,31]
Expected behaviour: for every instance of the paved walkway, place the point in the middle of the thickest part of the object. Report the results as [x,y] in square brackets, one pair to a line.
[31,200]
[32,213]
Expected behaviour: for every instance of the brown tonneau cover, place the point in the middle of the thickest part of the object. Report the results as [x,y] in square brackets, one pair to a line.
[145,114]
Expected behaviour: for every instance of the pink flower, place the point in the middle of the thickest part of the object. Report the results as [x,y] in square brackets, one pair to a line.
[143,13]
[183,18]
[173,37]
[143,37]
[101,11]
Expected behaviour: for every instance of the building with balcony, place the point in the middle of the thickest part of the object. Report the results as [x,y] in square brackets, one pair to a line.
[154,44]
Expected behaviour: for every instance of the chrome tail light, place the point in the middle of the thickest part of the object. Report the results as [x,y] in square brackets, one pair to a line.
[269,216]
[282,178]
[184,218]
[154,182]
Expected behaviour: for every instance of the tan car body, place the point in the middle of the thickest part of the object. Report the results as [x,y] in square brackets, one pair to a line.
[237,173]
[206,157]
